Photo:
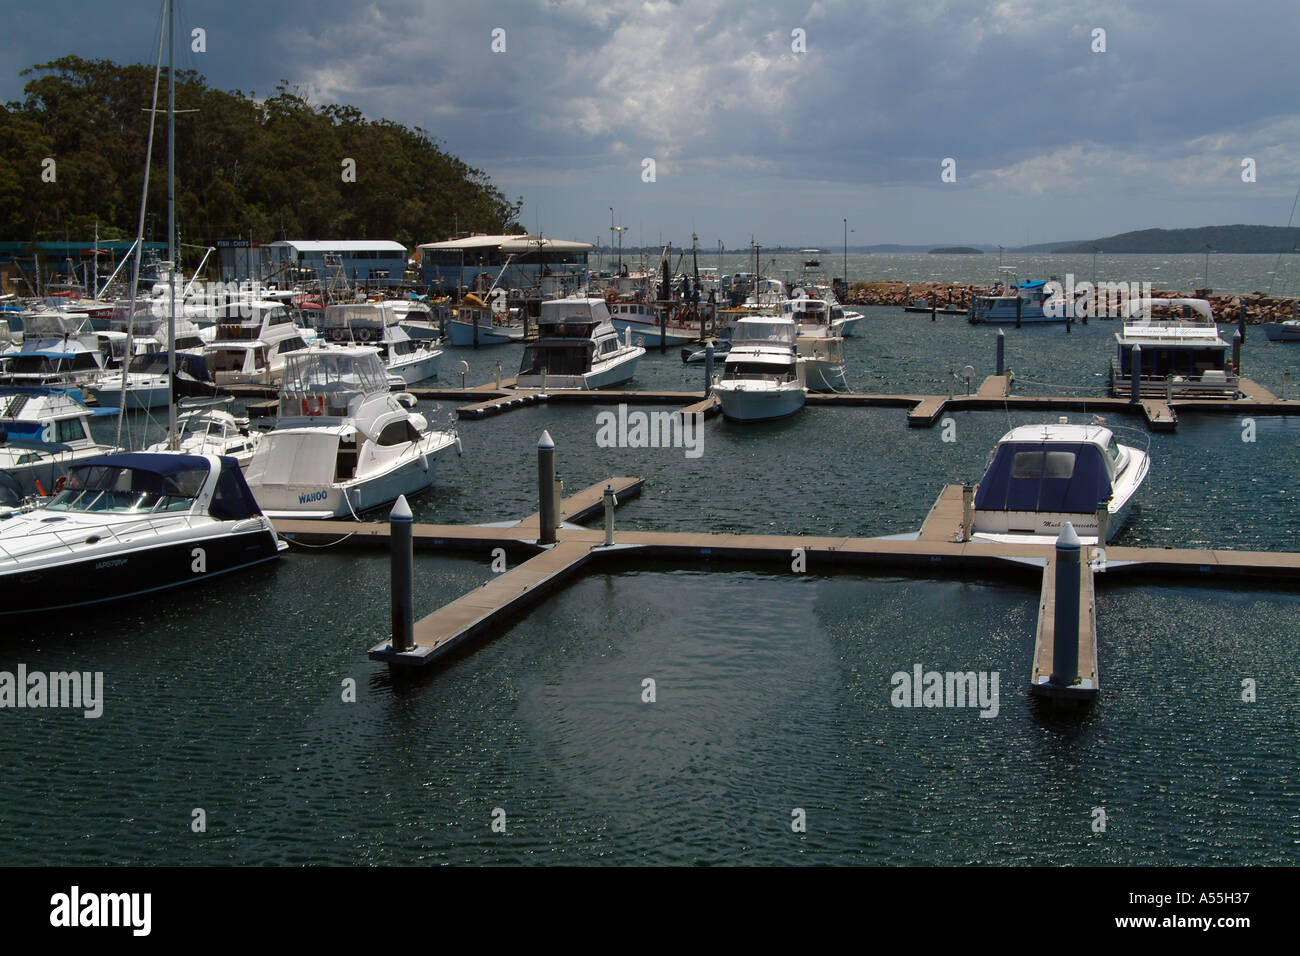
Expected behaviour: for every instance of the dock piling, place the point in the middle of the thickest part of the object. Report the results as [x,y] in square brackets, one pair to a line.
[1103,531]
[498,370]
[1237,339]
[546,489]
[1135,387]
[610,501]
[967,510]
[934,305]
[1065,633]
[708,369]
[1019,306]
[1241,320]
[1002,353]
[400,524]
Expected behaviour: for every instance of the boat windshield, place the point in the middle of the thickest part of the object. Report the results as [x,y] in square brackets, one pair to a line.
[770,333]
[317,372]
[115,489]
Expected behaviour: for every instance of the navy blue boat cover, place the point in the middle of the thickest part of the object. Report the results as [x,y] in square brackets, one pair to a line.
[232,501]
[1040,476]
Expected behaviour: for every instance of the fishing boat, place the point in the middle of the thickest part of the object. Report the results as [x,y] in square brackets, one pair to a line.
[761,377]
[474,323]
[130,524]
[208,428]
[43,432]
[377,324]
[1041,476]
[577,348]
[1181,351]
[343,443]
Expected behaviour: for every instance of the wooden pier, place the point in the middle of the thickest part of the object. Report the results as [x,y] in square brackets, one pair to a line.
[936,550]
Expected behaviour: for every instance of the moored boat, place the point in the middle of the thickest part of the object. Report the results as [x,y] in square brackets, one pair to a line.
[761,377]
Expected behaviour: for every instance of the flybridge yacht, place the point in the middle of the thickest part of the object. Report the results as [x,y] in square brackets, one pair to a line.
[761,377]
[1042,476]
[44,431]
[343,443]
[132,524]
[59,348]
[820,346]
[1182,353]
[377,324]
[577,347]
[1026,302]
[252,341]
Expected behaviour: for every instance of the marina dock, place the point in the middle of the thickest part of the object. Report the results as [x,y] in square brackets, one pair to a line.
[936,550]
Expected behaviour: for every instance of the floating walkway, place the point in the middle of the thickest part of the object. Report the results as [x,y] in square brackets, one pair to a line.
[937,549]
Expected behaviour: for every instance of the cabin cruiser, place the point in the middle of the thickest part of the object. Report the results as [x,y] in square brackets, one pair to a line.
[474,323]
[820,346]
[377,324]
[148,383]
[1181,354]
[43,431]
[59,348]
[205,428]
[1027,302]
[343,443]
[761,377]
[1041,476]
[252,341]
[1286,331]
[131,524]
[577,347]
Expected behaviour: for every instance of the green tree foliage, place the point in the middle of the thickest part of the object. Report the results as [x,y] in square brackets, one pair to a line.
[267,168]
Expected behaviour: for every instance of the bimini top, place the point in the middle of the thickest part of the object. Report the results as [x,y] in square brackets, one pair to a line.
[148,482]
[1038,470]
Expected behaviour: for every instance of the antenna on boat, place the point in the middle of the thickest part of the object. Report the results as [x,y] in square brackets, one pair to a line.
[172,438]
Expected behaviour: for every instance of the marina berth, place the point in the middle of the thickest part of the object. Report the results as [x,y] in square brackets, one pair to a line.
[43,432]
[1042,476]
[343,443]
[577,348]
[761,378]
[377,324]
[131,524]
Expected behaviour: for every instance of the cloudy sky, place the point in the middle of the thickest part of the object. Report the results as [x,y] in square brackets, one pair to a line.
[758,130]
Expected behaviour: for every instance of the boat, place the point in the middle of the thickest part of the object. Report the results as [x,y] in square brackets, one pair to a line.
[130,524]
[1041,476]
[473,324]
[1286,331]
[819,344]
[148,382]
[761,377]
[377,324]
[44,431]
[577,348]
[252,340]
[643,321]
[59,348]
[1026,303]
[207,428]
[13,500]
[343,443]
[695,354]
[1182,354]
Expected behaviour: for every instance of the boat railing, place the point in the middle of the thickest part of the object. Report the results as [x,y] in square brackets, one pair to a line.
[59,537]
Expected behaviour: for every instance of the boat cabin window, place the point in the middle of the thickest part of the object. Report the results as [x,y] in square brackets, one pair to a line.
[557,360]
[757,370]
[1038,464]
[120,490]
[398,432]
[70,430]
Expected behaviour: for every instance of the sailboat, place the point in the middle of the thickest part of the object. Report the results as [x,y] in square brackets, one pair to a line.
[128,524]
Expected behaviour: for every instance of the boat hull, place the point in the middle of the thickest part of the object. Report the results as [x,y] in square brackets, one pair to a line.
[104,577]
[647,335]
[461,334]
[759,404]
[1279,332]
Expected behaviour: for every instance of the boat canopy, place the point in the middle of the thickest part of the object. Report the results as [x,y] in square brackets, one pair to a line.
[1034,284]
[336,370]
[760,331]
[1054,477]
[148,482]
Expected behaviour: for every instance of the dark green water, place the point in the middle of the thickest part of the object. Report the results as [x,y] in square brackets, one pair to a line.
[773,690]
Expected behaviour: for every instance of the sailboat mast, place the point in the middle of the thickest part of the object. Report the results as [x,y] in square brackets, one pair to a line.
[172,442]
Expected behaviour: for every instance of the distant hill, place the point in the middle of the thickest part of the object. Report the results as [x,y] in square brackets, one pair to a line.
[957,251]
[1238,238]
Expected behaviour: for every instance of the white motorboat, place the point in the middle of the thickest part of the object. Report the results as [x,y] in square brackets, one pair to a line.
[206,428]
[1285,331]
[377,324]
[820,346]
[1182,354]
[343,443]
[761,377]
[642,320]
[577,347]
[1041,476]
[131,524]
[252,340]
[43,432]
[59,348]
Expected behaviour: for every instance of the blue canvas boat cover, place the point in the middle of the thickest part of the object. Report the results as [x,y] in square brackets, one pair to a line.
[232,501]
[1052,477]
